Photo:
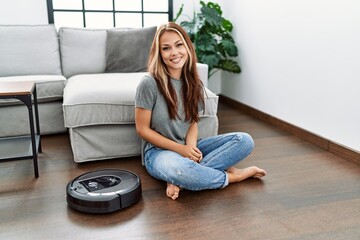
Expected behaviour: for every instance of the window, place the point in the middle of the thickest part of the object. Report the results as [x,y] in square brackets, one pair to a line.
[109,13]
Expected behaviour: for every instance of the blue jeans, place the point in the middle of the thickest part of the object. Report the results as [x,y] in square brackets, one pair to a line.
[219,153]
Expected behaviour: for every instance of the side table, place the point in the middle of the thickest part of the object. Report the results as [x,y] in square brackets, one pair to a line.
[28,146]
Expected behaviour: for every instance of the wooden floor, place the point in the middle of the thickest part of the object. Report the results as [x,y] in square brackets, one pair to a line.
[308,194]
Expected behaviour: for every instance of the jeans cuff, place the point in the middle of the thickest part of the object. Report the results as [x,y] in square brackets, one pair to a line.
[226,181]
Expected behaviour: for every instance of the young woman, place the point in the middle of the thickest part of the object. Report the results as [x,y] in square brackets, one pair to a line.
[167,103]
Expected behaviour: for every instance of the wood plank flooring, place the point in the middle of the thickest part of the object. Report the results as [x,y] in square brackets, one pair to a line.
[308,193]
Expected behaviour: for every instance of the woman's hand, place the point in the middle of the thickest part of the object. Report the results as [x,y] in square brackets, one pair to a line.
[191,152]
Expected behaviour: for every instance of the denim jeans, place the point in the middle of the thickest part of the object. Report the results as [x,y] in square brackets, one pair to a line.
[219,153]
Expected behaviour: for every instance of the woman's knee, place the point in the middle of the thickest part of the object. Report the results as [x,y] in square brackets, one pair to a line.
[244,140]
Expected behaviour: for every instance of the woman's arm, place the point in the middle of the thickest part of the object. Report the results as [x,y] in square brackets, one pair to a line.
[191,140]
[192,134]
[142,123]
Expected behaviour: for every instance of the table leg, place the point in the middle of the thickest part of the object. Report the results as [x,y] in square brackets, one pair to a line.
[33,142]
[37,118]
[26,99]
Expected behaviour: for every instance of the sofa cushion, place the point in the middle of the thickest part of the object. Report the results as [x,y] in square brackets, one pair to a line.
[82,50]
[102,99]
[29,50]
[128,51]
[48,87]
[97,99]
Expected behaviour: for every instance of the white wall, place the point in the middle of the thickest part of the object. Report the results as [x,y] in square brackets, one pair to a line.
[23,12]
[300,63]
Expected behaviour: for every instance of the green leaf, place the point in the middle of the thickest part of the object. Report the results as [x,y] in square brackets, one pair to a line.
[212,17]
[229,47]
[210,59]
[189,28]
[215,6]
[228,65]
[206,43]
[227,25]
[179,13]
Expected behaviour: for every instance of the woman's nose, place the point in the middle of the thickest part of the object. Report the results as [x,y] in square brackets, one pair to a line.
[174,51]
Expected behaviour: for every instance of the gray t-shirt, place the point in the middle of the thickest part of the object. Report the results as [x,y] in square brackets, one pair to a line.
[148,96]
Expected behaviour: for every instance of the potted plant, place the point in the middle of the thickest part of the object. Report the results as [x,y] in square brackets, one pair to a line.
[211,36]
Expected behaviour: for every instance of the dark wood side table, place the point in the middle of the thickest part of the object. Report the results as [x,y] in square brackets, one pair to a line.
[28,146]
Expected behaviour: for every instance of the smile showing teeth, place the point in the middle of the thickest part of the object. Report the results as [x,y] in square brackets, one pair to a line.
[176,60]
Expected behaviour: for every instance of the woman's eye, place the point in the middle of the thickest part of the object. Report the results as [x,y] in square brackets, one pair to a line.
[179,45]
[165,48]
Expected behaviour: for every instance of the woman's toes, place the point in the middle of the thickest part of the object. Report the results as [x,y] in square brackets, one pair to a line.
[259,173]
[172,191]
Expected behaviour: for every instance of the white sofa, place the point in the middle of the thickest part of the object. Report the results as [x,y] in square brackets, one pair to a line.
[91,94]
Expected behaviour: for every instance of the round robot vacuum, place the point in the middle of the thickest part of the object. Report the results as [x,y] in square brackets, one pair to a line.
[103,191]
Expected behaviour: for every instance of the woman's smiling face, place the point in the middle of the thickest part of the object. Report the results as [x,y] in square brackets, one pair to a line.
[173,52]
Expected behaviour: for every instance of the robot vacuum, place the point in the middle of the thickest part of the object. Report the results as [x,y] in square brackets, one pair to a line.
[103,191]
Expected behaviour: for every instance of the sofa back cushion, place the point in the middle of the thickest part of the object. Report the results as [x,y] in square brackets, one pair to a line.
[128,50]
[82,50]
[29,50]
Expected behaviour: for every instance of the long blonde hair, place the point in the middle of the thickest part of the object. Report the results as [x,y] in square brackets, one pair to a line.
[192,91]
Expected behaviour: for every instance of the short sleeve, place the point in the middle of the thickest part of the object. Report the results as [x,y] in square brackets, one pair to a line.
[146,93]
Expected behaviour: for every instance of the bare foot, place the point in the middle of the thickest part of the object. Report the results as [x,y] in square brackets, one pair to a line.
[172,191]
[237,175]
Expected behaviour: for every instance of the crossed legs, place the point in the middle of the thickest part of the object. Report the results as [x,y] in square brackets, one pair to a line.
[220,154]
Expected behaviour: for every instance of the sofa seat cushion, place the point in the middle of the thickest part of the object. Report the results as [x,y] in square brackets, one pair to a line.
[97,99]
[102,99]
[48,87]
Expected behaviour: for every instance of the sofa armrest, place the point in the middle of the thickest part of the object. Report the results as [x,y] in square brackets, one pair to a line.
[203,72]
